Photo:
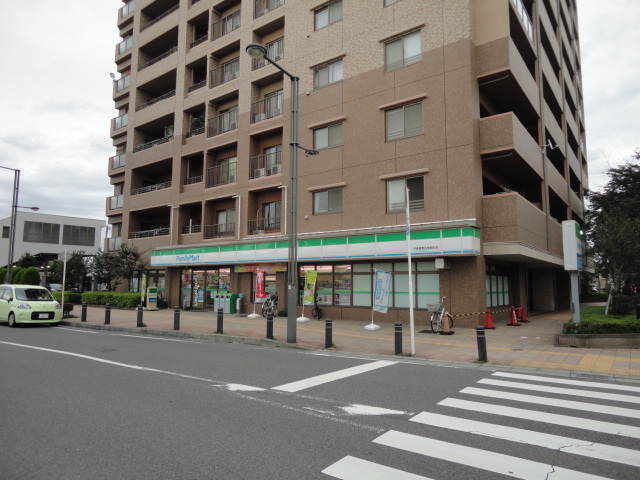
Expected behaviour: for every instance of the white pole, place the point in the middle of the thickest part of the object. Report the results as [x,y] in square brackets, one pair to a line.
[408,234]
[64,278]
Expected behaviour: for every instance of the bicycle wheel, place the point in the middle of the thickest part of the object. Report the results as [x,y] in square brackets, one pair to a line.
[316,313]
[450,321]
[435,322]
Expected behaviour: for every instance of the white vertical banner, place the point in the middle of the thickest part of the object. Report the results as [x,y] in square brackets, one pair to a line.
[408,236]
[382,283]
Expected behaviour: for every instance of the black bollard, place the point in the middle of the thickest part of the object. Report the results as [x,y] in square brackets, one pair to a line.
[398,337]
[220,311]
[139,319]
[270,327]
[83,316]
[107,314]
[176,318]
[482,344]
[328,333]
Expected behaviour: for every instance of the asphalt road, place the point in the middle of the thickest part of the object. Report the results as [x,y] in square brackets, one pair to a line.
[78,404]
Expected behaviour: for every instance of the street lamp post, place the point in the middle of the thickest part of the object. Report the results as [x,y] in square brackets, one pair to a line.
[256,50]
[12,228]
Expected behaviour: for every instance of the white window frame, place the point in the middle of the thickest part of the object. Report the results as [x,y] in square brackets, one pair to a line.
[325,197]
[326,137]
[327,15]
[400,116]
[395,190]
[333,72]
[405,48]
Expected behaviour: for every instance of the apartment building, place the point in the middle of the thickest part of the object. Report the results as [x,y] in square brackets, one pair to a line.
[473,106]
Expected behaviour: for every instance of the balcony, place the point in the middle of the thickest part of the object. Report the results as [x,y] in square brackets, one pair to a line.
[153,143]
[122,83]
[126,9]
[260,226]
[269,107]
[118,161]
[191,229]
[524,17]
[266,165]
[159,17]
[193,180]
[124,45]
[153,101]
[262,7]
[225,72]
[157,59]
[220,230]
[221,175]
[121,121]
[155,232]
[116,202]
[225,122]
[517,231]
[151,188]
[225,25]
[275,51]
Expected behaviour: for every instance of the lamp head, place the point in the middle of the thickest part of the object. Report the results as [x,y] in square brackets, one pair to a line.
[255,50]
[310,151]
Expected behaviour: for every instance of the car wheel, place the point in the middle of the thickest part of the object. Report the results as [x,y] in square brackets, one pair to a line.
[12,320]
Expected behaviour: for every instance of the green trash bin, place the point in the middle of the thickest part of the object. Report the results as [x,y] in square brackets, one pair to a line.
[233,299]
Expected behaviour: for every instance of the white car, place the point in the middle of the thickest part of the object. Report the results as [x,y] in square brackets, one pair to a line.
[28,304]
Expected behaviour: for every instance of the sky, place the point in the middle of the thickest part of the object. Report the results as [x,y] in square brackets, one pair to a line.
[56,98]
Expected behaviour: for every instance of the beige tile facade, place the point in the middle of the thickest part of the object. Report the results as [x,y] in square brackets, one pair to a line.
[497,80]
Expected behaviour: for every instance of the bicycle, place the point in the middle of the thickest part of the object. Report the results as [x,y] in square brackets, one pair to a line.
[438,315]
[317,311]
[270,305]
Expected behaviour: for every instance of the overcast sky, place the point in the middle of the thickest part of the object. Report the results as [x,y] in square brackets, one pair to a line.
[56,97]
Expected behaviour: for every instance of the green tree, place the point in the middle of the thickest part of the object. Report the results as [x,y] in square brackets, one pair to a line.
[116,267]
[16,275]
[30,276]
[3,274]
[27,260]
[613,224]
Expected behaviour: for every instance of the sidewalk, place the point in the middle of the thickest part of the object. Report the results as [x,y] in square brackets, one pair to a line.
[530,345]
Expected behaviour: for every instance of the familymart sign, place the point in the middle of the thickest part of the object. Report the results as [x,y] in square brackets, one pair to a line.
[450,242]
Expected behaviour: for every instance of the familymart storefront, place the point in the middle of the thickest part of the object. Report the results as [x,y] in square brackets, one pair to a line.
[345,266]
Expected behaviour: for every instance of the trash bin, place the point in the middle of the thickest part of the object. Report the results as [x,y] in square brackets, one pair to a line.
[233,298]
[152,298]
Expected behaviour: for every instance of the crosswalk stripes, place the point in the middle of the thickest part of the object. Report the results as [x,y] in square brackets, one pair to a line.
[352,468]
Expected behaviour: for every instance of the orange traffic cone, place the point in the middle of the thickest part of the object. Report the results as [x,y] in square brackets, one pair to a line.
[514,322]
[523,315]
[489,322]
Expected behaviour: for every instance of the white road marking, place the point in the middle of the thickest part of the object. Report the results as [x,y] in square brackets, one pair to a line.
[357,409]
[530,437]
[563,391]
[482,459]
[333,376]
[553,418]
[553,402]
[352,468]
[566,381]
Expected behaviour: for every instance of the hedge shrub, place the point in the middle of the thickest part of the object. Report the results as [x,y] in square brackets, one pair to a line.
[115,299]
[623,304]
[593,321]
[70,297]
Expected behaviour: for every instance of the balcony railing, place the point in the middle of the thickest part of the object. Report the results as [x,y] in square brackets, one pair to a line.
[125,45]
[198,85]
[260,226]
[153,143]
[127,9]
[192,229]
[226,25]
[223,123]
[225,72]
[114,243]
[151,188]
[269,107]
[275,51]
[221,175]
[160,17]
[194,179]
[265,165]
[156,100]
[121,121]
[521,10]
[118,161]
[220,230]
[262,7]
[116,202]
[195,131]
[123,83]
[200,40]
[153,61]
[155,232]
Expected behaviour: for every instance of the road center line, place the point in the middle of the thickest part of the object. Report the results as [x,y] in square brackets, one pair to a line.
[330,377]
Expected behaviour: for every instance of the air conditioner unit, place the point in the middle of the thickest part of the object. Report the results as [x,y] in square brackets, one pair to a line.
[233,126]
[258,232]
[232,178]
[258,172]
[260,117]
[275,169]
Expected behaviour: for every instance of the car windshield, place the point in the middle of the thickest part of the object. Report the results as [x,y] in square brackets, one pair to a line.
[31,294]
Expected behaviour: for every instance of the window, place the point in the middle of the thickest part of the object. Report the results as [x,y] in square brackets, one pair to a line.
[327,201]
[273,159]
[271,215]
[403,51]
[327,74]
[5,232]
[77,235]
[273,104]
[226,220]
[497,286]
[327,136]
[38,232]
[396,194]
[405,121]
[390,2]
[328,15]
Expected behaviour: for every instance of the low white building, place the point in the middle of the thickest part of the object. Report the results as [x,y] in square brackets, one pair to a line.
[46,237]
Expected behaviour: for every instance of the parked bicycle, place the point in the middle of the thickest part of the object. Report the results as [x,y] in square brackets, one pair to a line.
[439,316]
[317,311]
[270,305]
